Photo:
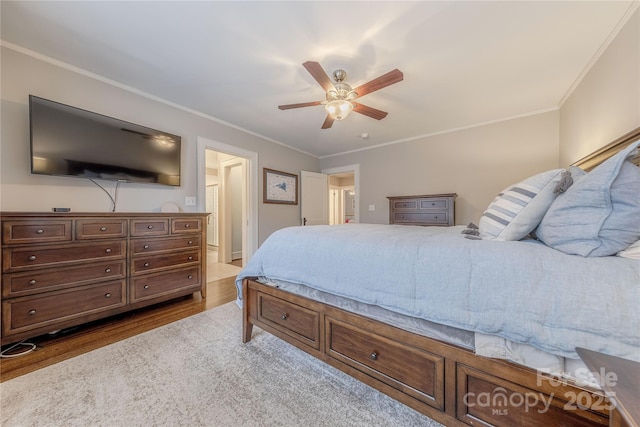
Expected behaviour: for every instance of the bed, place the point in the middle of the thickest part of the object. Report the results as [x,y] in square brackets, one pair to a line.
[471,325]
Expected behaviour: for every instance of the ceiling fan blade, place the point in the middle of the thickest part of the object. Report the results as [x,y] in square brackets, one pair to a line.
[328,122]
[393,76]
[303,104]
[369,111]
[318,73]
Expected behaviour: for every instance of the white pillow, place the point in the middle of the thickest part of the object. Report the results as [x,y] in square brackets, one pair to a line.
[518,209]
[633,251]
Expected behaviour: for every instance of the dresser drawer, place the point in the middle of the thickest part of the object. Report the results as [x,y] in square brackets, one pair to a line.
[37,311]
[421,218]
[186,225]
[487,400]
[17,284]
[100,228]
[154,285]
[150,227]
[417,205]
[149,246]
[433,204]
[409,369]
[296,321]
[152,263]
[36,231]
[404,205]
[16,259]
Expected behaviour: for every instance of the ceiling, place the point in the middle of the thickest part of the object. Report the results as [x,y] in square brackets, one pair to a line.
[464,63]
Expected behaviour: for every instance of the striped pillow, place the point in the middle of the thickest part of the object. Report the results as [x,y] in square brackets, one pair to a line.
[518,209]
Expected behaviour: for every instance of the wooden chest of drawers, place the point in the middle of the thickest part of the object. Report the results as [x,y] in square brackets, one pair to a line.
[434,209]
[61,270]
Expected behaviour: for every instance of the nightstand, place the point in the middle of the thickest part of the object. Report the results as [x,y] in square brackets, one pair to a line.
[624,388]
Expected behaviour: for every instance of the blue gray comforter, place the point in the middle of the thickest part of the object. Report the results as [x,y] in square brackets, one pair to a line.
[523,291]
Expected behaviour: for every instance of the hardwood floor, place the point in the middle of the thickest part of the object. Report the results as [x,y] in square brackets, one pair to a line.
[52,349]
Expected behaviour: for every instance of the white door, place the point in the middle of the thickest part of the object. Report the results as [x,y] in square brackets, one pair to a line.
[212,219]
[314,198]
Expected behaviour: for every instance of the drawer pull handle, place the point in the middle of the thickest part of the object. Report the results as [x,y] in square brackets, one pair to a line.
[284,316]
[401,216]
[107,270]
[108,250]
[374,356]
[190,258]
[146,286]
[190,242]
[435,217]
[190,277]
[103,228]
[149,227]
[146,264]
[146,246]
[31,282]
[433,204]
[39,231]
[107,295]
[32,312]
[186,226]
[32,258]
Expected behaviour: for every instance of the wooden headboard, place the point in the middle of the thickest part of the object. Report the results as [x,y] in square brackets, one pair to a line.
[594,159]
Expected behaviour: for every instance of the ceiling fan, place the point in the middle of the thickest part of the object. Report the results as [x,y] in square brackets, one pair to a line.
[339,99]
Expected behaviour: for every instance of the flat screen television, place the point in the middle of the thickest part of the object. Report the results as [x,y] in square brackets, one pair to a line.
[69,141]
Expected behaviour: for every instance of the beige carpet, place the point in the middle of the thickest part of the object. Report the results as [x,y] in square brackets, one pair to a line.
[197,372]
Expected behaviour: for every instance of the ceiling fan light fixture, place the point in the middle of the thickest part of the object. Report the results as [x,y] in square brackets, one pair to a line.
[338,109]
[339,95]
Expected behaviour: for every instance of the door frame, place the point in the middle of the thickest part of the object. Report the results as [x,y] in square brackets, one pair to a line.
[355,168]
[250,227]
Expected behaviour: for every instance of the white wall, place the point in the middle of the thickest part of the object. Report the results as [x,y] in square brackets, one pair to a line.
[606,102]
[24,74]
[475,163]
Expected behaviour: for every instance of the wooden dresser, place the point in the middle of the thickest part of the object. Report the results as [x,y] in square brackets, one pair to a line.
[431,209]
[61,269]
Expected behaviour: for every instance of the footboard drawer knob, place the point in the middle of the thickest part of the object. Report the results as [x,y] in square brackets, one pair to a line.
[284,316]
[374,356]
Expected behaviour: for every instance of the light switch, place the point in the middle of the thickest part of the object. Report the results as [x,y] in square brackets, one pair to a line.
[189,201]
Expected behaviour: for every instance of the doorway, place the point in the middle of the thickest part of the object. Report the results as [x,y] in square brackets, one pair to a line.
[233,171]
[344,188]
[342,198]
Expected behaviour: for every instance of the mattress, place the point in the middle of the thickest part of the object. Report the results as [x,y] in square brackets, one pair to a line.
[521,291]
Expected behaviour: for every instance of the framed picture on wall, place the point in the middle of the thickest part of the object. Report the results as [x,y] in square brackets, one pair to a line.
[279,187]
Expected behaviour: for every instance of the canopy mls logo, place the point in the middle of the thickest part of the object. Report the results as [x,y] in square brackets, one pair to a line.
[501,400]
